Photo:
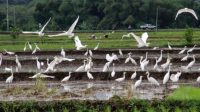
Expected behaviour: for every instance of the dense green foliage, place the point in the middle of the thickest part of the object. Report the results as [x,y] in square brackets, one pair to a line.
[189,35]
[100,14]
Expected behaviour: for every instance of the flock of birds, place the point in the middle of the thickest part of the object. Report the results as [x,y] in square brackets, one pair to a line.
[88,63]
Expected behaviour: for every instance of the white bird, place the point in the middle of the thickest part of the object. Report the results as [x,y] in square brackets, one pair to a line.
[29,45]
[198,79]
[106,66]
[40,75]
[36,48]
[82,67]
[127,35]
[175,77]
[129,58]
[170,48]
[142,42]
[8,52]
[97,46]
[62,53]
[120,52]
[113,71]
[121,78]
[89,75]
[138,82]
[10,78]
[155,67]
[154,48]
[191,49]
[112,57]
[19,66]
[182,51]
[90,53]
[78,43]
[133,76]
[142,64]
[166,64]
[41,32]
[1,58]
[25,46]
[8,69]
[69,32]
[89,64]
[185,57]
[38,63]
[160,58]
[167,75]
[186,10]
[152,80]
[189,65]
[65,79]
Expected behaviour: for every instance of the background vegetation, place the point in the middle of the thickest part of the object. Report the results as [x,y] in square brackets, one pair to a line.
[97,14]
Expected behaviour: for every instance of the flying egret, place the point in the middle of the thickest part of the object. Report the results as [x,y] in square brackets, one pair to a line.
[191,49]
[40,75]
[142,42]
[41,32]
[152,80]
[36,48]
[133,76]
[170,48]
[82,67]
[186,10]
[129,58]
[138,82]
[65,79]
[69,32]
[182,51]
[89,75]
[121,78]
[10,78]
[62,53]
[19,66]
[186,57]
[167,75]
[189,66]
[8,52]
[160,58]
[120,52]
[112,57]
[175,77]
[97,46]
[113,71]
[127,35]
[78,43]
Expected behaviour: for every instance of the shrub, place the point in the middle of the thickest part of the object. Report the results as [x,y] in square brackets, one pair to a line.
[15,32]
[189,35]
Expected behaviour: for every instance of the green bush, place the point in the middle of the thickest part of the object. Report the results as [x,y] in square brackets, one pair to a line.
[189,35]
[15,32]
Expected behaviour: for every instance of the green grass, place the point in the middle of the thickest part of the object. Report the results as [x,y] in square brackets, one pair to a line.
[114,41]
[186,93]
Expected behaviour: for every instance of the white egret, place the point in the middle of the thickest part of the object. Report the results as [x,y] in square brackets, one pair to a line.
[29,45]
[170,48]
[1,59]
[120,52]
[191,49]
[160,58]
[82,67]
[62,53]
[78,43]
[25,46]
[111,58]
[129,58]
[154,48]
[175,77]
[155,67]
[89,64]
[198,79]
[121,78]
[38,64]
[133,76]
[69,32]
[182,51]
[189,66]
[138,82]
[186,57]
[97,46]
[166,64]
[36,48]
[142,42]
[89,75]
[9,52]
[19,66]
[152,80]
[127,35]
[167,75]
[8,69]
[40,75]
[65,79]
[186,10]
[41,32]
[10,78]
[106,66]
[113,71]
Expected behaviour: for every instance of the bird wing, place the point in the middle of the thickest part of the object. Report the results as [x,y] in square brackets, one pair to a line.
[193,13]
[138,39]
[56,35]
[29,32]
[186,10]
[77,42]
[144,37]
[71,29]
[45,25]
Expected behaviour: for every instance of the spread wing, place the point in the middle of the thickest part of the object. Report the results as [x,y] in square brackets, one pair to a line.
[138,39]
[71,29]
[191,11]
[29,32]
[77,42]
[45,25]
[144,37]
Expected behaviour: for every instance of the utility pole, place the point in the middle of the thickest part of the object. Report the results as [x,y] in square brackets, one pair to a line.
[7,16]
[14,17]
[157,19]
